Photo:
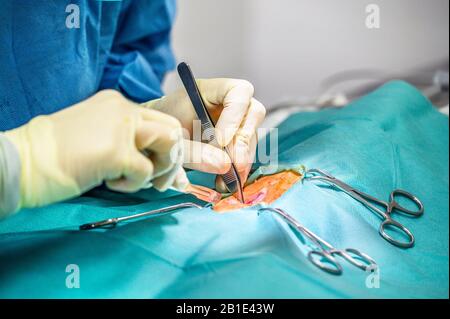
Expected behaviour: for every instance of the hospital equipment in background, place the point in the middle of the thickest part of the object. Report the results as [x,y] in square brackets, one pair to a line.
[334,91]
[322,255]
[371,203]
[231,178]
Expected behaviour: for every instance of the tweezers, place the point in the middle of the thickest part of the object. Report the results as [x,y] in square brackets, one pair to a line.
[231,178]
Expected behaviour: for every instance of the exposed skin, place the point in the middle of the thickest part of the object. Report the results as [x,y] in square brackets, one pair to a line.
[264,190]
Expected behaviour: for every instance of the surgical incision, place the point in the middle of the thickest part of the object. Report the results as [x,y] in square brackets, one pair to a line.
[265,189]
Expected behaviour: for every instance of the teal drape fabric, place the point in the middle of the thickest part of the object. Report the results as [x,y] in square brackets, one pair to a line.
[391,138]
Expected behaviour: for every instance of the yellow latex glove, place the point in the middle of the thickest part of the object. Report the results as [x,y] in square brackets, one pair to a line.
[237,116]
[99,139]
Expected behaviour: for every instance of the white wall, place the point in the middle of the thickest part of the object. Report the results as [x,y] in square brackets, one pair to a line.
[286,48]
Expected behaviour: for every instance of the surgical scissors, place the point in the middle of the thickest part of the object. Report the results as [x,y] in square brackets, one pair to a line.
[370,202]
[324,250]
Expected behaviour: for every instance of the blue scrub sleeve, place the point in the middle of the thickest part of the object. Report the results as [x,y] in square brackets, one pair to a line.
[141,53]
[9,177]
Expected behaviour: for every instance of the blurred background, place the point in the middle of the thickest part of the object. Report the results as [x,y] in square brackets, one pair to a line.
[312,54]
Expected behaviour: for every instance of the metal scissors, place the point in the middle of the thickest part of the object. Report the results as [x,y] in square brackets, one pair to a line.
[374,205]
[231,178]
[323,255]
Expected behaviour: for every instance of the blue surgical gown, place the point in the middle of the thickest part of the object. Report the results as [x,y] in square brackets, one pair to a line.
[46,66]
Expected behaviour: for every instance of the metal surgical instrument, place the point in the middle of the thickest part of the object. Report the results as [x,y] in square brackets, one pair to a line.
[231,178]
[371,202]
[323,255]
[111,222]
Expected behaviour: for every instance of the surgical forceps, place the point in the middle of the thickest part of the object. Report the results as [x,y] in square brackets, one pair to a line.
[371,202]
[111,222]
[231,178]
[324,250]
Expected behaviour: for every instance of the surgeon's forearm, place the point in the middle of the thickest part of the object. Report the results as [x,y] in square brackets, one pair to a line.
[9,177]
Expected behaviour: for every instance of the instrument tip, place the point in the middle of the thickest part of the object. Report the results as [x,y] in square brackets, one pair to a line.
[204,193]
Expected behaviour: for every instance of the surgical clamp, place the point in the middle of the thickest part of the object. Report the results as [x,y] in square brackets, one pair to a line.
[111,222]
[369,201]
[324,250]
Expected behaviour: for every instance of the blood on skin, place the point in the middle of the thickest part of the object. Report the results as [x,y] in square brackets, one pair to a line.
[266,189]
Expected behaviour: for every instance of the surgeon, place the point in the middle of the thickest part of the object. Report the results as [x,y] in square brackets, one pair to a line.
[81,103]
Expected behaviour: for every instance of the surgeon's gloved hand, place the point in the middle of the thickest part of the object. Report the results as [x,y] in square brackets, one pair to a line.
[100,139]
[237,116]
